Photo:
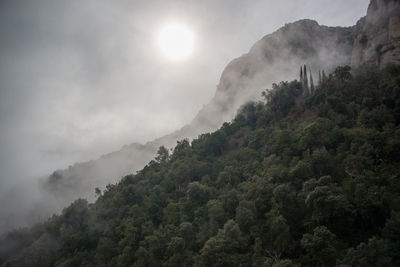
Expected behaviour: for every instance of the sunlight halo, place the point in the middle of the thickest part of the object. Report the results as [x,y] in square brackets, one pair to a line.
[176,41]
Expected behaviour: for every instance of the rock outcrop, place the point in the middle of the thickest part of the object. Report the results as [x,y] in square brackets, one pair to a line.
[378,39]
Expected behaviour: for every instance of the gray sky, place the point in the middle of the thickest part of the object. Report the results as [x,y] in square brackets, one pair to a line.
[82,78]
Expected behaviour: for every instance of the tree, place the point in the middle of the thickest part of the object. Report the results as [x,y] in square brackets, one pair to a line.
[320,247]
[162,154]
[301,74]
[319,78]
[324,77]
[224,249]
[305,81]
[373,253]
[216,213]
[342,73]
[197,194]
[246,215]
[312,88]
[277,233]
[392,234]
[97,192]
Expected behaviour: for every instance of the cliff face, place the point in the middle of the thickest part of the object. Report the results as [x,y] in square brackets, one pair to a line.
[378,39]
[277,56]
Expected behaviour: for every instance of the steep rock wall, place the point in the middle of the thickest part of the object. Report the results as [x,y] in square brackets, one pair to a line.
[378,39]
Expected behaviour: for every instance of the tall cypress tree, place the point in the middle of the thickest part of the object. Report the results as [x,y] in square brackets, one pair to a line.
[305,81]
[301,74]
[312,88]
[319,78]
[323,76]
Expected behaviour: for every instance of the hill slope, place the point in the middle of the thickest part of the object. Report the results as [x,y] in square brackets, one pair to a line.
[308,178]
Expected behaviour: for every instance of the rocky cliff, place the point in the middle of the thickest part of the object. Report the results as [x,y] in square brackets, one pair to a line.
[378,38]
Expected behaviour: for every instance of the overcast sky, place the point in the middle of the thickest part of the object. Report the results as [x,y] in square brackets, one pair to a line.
[82,78]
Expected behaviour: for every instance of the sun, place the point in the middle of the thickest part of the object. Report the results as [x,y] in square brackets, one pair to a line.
[176,41]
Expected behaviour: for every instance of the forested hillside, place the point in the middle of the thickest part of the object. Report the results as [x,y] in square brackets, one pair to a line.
[309,177]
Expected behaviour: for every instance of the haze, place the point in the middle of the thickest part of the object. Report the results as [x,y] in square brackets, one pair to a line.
[82,78]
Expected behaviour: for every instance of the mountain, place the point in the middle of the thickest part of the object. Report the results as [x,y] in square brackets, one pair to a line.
[275,57]
[304,178]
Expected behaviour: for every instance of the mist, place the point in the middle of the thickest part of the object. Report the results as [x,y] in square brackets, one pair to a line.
[82,79]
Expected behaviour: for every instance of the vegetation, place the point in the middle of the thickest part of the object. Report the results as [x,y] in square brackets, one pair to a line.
[300,180]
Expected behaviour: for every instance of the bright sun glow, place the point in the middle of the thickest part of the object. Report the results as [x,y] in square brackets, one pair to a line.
[176,41]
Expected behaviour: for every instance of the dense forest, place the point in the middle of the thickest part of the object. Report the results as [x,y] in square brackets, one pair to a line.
[308,177]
